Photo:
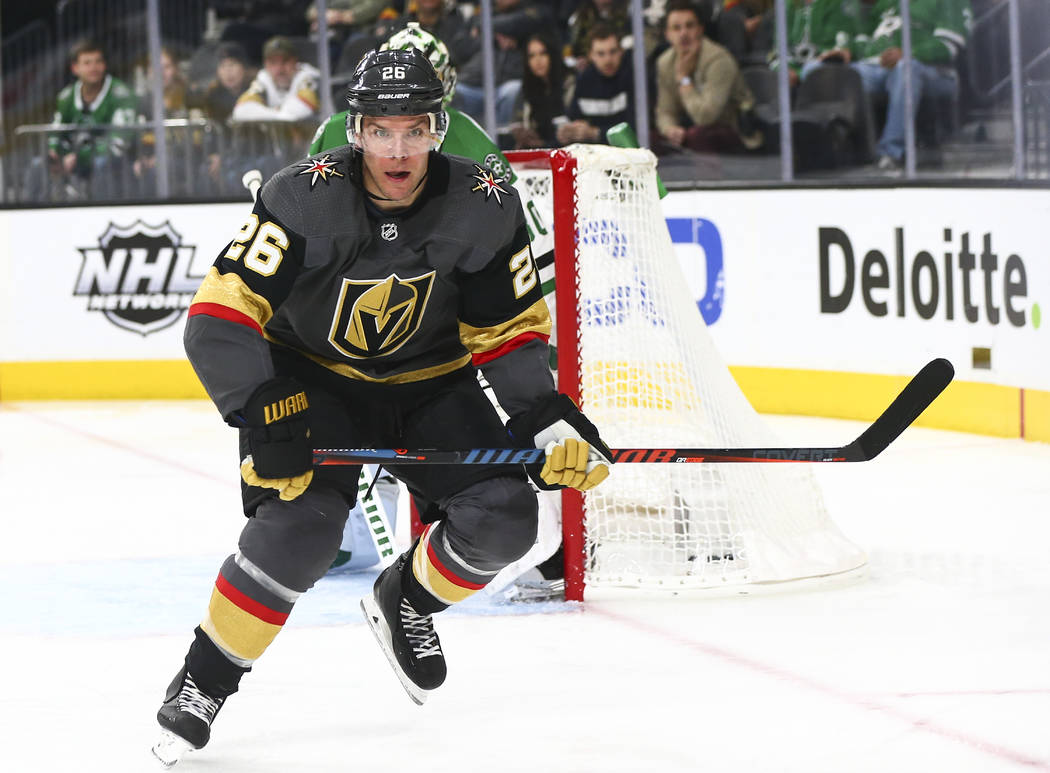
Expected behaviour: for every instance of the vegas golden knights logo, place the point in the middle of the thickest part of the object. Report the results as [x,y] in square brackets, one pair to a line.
[376,317]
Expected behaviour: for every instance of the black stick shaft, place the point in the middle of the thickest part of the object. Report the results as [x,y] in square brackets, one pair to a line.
[922,390]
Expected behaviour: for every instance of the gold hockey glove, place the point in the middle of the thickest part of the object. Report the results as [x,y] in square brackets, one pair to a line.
[288,488]
[576,456]
[280,455]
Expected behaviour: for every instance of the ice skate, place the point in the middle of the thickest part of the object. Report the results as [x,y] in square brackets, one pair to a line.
[544,582]
[185,719]
[407,638]
[532,586]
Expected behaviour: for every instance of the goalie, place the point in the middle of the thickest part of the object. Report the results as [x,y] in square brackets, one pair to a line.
[352,308]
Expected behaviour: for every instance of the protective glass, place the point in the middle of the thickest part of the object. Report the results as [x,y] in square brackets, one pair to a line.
[394,142]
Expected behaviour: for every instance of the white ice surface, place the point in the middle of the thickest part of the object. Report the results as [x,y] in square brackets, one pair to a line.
[116,516]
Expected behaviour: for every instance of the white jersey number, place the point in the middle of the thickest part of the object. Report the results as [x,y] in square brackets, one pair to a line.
[267,248]
[524,271]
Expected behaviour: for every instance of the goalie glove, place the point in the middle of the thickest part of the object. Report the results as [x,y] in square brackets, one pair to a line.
[280,455]
[576,456]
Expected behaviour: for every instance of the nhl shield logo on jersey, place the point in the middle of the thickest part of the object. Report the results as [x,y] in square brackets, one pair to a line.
[388,231]
[320,168]
[377,316]
[139,276]
[488,183]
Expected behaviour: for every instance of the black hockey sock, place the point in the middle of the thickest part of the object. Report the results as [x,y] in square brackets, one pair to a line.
[212,671]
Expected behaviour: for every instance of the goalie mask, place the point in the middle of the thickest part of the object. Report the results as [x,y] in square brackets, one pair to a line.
[414,36]
[395,84]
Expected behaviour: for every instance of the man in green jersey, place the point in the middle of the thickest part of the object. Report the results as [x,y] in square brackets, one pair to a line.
[938,34]
[91,155]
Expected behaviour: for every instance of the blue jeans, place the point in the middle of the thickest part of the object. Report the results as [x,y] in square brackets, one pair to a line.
[927,80]
[471,100]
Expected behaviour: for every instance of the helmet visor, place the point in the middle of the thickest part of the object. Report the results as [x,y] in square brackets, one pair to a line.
[396,138]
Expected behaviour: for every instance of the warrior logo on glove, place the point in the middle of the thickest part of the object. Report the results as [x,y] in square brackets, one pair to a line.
[279,410]
[276,419]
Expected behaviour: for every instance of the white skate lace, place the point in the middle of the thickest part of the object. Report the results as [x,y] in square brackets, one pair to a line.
[419,630]
[196,702]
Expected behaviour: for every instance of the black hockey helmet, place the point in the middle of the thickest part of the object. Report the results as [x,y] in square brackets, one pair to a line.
[395,83]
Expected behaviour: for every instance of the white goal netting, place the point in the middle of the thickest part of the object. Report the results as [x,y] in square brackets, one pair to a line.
[650,376]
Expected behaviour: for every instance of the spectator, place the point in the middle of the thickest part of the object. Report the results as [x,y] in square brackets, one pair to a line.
[233,75]
[938,34]
[544,88]
[176,105]
[604,93]
[740,26]
[278,113]
[441,19]
[819,31]
[89,161]
[344,18]
[512,22]
[612,13]
[700,91]
[284,90]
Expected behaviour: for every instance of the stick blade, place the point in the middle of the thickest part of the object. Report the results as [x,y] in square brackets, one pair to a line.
[915,398]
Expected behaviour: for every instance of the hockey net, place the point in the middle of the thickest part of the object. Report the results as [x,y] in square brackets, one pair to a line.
[637,356]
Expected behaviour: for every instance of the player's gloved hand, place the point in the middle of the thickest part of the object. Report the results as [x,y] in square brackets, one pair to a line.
[281,457]
[576,457]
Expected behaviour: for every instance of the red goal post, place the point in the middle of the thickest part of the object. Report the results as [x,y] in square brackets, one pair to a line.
[562,166]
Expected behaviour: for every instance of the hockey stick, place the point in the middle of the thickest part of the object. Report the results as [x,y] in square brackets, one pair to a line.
[252,180]
[375,516]
[922,390]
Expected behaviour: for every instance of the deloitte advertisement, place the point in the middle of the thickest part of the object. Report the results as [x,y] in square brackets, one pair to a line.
[872,281]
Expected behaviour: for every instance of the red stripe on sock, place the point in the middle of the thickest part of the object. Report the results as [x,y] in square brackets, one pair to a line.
[219,311]
[249,605]
[448,575]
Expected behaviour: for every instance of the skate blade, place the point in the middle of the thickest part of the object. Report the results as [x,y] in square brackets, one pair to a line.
[532,591]
[377,623]
[170,749]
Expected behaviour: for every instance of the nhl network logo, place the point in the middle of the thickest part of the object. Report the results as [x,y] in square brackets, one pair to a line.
[138,276]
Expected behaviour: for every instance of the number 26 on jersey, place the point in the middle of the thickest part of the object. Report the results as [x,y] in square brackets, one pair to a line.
[267,245]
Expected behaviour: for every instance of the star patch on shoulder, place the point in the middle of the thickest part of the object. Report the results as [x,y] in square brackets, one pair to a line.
[488,183]
[321,168]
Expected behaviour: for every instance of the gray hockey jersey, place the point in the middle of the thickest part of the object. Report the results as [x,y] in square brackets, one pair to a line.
[388,298]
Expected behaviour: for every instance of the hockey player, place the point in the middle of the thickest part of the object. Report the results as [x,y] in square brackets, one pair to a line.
[352,308]
[464,137]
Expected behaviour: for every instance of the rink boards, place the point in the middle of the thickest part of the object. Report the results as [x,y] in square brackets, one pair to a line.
[822,301]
